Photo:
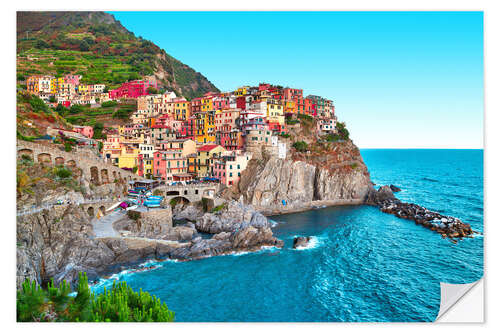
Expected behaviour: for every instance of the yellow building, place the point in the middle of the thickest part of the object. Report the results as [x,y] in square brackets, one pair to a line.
[275,111]
[128,157]
[182,110]
[32,84]
[83,89]
[205,127]
[288,107]
[207,104]
[56,85]
[241,91]
[204,159]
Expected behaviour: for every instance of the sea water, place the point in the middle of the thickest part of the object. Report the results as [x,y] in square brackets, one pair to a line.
[362,264]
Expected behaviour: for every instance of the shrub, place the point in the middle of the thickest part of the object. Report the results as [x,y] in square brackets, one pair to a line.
[109,104]
[38,105]
[20,77]
[63,173]
[342,131]
[119,304]
[76,109]
[133,215]
[218,208]
[305,117]
[300,146]
[121,114]
[157,192]
[173,202]
[152,90]
[67,147]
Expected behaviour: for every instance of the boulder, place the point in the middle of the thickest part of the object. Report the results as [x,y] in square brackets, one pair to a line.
[301,241]
[395,188]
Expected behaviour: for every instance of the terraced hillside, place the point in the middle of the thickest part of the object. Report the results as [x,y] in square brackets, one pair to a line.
[97,46]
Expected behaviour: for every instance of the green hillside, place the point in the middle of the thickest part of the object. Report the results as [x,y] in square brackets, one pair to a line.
[97,46]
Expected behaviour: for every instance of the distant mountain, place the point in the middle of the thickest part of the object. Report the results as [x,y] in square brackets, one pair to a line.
[97,46]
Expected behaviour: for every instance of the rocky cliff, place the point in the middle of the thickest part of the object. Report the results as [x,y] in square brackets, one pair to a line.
[335,176]
[60,242]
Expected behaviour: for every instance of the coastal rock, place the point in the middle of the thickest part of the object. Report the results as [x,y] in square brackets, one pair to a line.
[58,243]
[301,241]
[395,188]
[233,216]
[190,213]
[181,233]
[273,185]
[154,224]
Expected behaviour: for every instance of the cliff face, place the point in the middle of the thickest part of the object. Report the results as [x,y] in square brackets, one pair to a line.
[338,176]
[57,243]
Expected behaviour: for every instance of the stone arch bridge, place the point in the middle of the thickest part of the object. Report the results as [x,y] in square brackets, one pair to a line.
[189,193]
[87,165]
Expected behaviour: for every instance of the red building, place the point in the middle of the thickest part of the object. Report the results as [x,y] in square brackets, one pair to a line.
[132,89]
[188,129]
[241,102]
[291,93]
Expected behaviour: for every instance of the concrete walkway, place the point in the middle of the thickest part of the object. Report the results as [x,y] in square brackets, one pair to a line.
[103,227]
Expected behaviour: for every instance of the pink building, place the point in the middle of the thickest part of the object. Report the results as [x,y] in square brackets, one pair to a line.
[72,79]
[132,89]
[87,131]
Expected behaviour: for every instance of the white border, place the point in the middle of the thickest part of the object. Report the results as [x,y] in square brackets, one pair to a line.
[492,59]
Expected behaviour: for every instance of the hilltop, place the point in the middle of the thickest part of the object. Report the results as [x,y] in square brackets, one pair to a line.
[97,46]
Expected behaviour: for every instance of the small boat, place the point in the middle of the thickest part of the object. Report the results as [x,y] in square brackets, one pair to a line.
[113,206]
[132,207]
[152,204]
[154,197]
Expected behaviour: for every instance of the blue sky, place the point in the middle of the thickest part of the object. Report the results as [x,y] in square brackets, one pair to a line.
[398,79]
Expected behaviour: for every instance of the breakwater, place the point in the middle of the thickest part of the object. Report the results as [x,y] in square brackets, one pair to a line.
[448,226]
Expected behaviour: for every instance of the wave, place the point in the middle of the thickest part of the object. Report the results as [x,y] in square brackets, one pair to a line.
[430,179]
[315,242]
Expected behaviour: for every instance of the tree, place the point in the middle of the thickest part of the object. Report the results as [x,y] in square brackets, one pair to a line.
[152,90]
[300,146]
[342,131]
[75,108]
[52,99]
[98,127]
[118,304]
[84,46]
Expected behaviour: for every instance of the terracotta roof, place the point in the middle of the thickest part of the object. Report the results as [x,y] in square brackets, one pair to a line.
[207,147]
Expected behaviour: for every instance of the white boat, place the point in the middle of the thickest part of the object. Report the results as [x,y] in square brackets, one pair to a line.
[113,206]
[132,207]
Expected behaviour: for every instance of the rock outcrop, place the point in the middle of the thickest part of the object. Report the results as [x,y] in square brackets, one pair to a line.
[299,242]
[58,243]
[272,184]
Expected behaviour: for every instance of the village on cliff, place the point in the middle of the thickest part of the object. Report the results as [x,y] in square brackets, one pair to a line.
[171,139]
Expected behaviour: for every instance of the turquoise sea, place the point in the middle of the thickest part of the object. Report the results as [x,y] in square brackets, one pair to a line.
[363,265]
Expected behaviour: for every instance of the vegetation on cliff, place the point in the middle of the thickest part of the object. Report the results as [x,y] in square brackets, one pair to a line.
[119,304]
[97,46]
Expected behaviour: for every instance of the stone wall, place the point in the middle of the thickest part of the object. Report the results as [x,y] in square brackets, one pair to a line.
[84,164]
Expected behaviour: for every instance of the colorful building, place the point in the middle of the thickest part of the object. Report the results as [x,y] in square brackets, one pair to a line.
[204,159]
[133,89]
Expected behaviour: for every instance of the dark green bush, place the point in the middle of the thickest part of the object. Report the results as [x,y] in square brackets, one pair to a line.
[67,147]
[300,146]
[133,215]
[119,304]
